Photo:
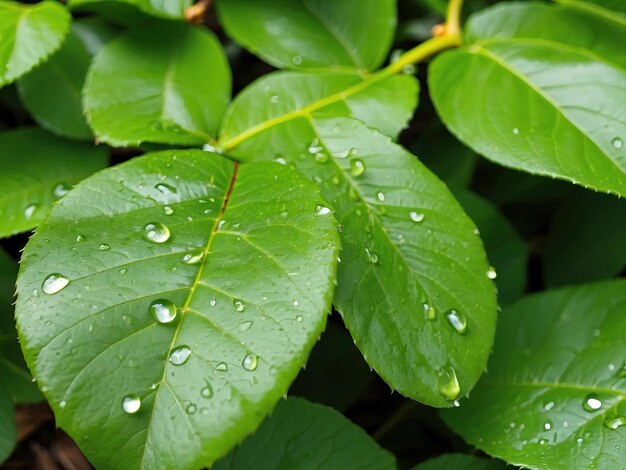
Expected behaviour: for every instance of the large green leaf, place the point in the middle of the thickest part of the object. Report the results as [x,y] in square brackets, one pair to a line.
[165,83]
[586,240]
[245,256]
[312,34]
[305,436]
[38,168]
[14,375]
[161,8]
[507,251]
[283,98]
[7,424]
[555,393]
[29,34]
[550,81]
[409,253]
[460,462]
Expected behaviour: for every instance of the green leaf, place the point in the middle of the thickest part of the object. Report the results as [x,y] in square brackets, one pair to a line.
[406,243]
[547,94]
[554,396]
[460,462]
[615,5]
[312,34]
[14,375]
[160,8]
[37,169]
[174,89]
[30,33]
[52,92]
[586,240]
[8,431]
[282,98]
[241,256]
[507,251]
[302,435]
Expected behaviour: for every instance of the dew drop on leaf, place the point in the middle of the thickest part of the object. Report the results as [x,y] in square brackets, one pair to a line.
[29,211]
[80,238]
[321,157]
[194,257]
[244,326]
[207,392]
[371,256]
[299,318]
[322,210]
[179,355]
[103,247]
[457,321]
[131,404]
[491,273]
[61,190]
[380,196]
[168,210]
[239,305]
[54,283]
[163,311]
[164,188]
[617,142]
[448,384]
[221,367]
[156,232]
[592,403]
[615,423]
[429,311]
[357,167]
[250,362]
[191,408]
[62,404]
[416,216]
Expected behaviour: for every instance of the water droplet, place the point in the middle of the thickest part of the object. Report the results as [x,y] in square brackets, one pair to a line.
[321,157]
[416,216]
[357,167]
[448,384]
[617,143]
[80,238]
[315,147]
[103,247]
[380,196]
[156,232]
[191,408]
[615,423]
[274,99]
[61,190]
[371,256]
[122,272]
[250,362]
[592,403]
[515,131]
[548,406]
[54,283]
[457,320]
[163,311]
[322,210]
[131,404]
[280,160]
[221,367]
[29,211]
[299,318]
[62,404]
[207,392]
[296,303]
[168,210]
[244,326]
[164,188]
[239,305]
[491,273]
[543,441]
[212,302]
[429,311]
[296,60]
[547,425]
[179,355]
[194,257]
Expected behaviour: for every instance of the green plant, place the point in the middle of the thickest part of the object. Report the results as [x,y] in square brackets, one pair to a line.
[167,303]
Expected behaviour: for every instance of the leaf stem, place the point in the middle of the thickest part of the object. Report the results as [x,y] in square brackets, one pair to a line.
[450,37]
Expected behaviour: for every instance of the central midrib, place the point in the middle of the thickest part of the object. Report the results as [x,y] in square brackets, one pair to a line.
[192,291]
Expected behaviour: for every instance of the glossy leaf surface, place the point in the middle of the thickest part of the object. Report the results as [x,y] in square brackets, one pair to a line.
[409,253]
[37,169]
[304,436]
[7,424]
[174,89]
[554,395]
[546,103]
[160,8]
[201,289]
[30,33]
[312,34]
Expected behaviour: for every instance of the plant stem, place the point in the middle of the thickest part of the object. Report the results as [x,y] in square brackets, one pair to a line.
[451,37]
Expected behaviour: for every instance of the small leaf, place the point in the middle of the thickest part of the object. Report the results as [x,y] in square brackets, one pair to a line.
[507,251]
[174,328]
[554,395]
[160,8]
[14,375]
[570,81]
[52,92]
[30,33]
[586,240]
[286,97]
[312,34]
[8,436]
[410,255]
[304,435]
[174,89]
[460,462]
[37,169]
